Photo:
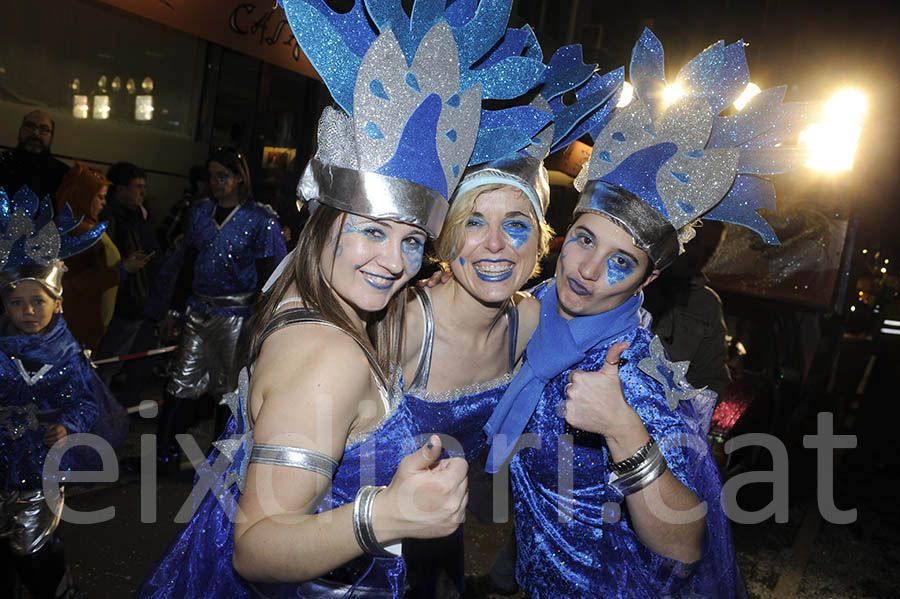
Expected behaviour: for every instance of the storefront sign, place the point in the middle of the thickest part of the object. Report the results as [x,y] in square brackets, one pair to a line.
[257,28]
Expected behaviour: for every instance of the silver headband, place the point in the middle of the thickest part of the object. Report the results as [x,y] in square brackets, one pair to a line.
[50,277]
[374,196]
[648,228]
[521,171]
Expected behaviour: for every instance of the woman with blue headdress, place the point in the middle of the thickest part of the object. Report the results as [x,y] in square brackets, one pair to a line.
[464,336]
[616,493]
[318,492]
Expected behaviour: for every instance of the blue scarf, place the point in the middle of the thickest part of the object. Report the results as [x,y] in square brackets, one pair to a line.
[557,345]
[53,345]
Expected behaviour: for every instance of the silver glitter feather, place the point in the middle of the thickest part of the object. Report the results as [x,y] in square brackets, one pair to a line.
[669,374]
[237,449]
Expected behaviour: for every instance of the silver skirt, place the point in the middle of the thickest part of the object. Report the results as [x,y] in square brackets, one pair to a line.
[27,520]
[210,355]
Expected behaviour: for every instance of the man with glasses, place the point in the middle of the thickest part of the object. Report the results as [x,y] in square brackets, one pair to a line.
[30,162]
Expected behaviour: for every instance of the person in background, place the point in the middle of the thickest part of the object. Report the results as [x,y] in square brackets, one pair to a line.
[130,230]
[231,245]
[30,162]
[687,313]
[175,223]
[93,276]
[49,391]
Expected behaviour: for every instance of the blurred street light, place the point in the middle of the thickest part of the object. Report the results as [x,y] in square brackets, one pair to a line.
[833,141]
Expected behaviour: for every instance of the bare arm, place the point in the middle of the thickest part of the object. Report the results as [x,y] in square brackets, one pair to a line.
[666,515]
[313,400]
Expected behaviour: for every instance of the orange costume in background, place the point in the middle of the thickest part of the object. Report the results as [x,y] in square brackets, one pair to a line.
[92,277]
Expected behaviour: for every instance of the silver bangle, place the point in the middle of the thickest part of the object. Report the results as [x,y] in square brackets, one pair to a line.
[652,467]
[362,522]
[630,463]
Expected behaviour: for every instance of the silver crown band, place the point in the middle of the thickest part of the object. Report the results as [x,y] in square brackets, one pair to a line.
[648,228]
[374,196]
[50,277]
[520,171]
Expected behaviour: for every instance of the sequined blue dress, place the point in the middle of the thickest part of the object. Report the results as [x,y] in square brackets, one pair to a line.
[47,379]
[199,562]
[458,416]
[583,544]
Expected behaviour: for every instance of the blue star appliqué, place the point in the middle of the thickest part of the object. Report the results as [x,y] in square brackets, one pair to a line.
[669,374]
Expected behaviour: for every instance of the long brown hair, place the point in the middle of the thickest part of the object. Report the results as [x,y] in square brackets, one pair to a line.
[383,331]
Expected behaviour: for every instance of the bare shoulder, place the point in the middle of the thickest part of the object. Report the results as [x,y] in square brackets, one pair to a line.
[529,316]
[309,380]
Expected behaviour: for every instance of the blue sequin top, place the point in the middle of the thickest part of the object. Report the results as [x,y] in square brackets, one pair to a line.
[227,253]
[459,414]
[45,379]
[582,544]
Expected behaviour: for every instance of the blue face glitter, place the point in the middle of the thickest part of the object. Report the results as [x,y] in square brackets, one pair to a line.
[618,268]
[462,260]
[518,230]
[413,249]
[562,254]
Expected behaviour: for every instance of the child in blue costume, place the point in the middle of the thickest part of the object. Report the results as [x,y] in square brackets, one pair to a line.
[616,493]
[319,413]
[50,391]
[464,337]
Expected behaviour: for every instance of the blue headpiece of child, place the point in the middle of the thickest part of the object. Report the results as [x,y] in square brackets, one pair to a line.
[657,167]
[33,245]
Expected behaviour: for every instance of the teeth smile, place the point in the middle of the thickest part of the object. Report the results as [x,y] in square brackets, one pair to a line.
[493,268]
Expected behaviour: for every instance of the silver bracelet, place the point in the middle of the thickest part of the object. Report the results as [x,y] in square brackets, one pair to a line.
[652,467]
[362,522]
[630,463]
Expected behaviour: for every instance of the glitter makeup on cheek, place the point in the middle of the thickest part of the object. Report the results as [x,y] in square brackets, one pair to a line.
[518,232]
[616,273]
[414,255]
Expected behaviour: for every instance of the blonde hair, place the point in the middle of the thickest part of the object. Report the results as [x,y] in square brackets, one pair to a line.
[448,245]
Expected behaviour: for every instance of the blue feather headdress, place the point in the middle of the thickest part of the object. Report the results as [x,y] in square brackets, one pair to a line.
[410,91]
[523,168]
[33,245]
[658,167]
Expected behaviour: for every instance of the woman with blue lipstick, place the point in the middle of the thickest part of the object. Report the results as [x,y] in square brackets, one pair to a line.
[463,338]
[616,492]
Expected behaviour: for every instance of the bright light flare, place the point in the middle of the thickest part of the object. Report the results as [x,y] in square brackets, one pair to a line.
[832,142]
[672,93]
[626,96]
[751,90]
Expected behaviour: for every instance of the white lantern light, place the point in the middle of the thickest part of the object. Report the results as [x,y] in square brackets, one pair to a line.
[143,107]
[80,106]
[101,106]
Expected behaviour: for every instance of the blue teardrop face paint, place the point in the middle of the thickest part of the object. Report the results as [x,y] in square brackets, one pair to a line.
[413,249]
[518,230]
[618,268]
[462,261]
[562,253]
